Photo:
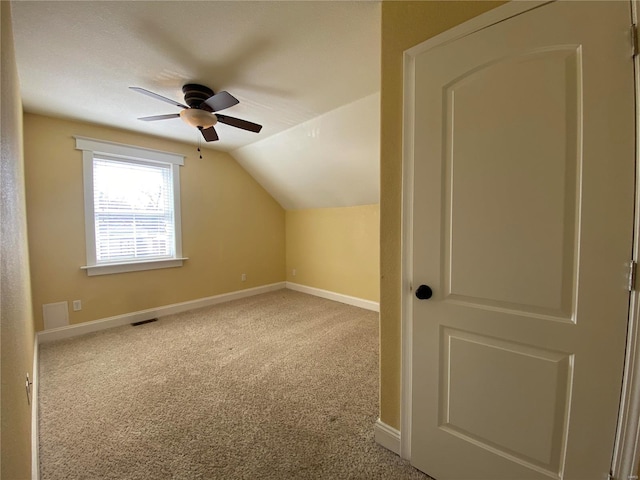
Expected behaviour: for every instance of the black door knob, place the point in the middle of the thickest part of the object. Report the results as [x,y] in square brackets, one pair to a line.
[424,292]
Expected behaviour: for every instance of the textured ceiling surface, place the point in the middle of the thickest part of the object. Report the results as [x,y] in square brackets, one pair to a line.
[288,62]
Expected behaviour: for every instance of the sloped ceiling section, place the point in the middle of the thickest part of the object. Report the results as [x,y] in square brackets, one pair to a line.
[329,161]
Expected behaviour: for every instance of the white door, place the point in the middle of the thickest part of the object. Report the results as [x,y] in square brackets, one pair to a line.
[522,218]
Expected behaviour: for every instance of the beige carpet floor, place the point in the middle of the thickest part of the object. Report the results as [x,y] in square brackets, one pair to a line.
[277,386]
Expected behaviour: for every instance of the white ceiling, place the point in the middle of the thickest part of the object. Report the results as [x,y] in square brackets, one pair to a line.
[290,63]
[348,169]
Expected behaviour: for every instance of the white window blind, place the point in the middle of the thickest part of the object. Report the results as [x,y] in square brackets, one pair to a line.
[133,209]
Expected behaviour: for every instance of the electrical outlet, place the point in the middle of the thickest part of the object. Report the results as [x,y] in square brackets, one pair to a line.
[243,277]
[77,305]
[293,272]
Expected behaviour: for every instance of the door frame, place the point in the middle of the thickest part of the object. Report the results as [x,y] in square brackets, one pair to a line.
[626,455]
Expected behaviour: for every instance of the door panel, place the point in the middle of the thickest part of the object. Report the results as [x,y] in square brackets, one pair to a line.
[525,382]
[532,178]
[523,214]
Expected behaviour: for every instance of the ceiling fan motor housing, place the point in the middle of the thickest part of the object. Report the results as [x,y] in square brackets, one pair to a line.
[195,95]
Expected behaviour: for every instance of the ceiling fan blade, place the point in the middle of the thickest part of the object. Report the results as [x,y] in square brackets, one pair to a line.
[209,134]
[159,97]
[221,100]
[239,123]
[159,117]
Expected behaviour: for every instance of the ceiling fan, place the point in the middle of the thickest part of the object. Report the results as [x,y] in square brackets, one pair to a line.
[201,110]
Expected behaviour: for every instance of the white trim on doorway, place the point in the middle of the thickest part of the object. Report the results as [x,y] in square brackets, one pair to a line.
[626,456]
[35,426]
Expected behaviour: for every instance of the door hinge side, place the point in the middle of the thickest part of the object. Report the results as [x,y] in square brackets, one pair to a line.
[633,274]
[634,40]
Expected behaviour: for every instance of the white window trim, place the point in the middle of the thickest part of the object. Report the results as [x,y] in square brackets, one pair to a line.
[89,147]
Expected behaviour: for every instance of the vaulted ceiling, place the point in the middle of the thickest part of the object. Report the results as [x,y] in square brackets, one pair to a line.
[308,71]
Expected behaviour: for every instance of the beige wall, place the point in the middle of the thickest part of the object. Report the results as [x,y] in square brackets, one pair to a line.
[16,320]
[335,249]
[404,24]
[230,226]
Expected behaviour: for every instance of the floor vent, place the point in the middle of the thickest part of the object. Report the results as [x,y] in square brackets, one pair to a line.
[135,324]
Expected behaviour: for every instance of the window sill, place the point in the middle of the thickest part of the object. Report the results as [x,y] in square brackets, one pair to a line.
[109,268]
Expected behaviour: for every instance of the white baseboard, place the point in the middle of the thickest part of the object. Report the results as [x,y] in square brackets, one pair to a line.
[128,318]
[35,430]
[387,436]
[337,297]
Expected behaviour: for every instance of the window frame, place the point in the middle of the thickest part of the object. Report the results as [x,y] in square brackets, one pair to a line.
[126,153]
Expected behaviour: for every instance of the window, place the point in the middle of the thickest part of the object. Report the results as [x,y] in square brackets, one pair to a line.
[132,207]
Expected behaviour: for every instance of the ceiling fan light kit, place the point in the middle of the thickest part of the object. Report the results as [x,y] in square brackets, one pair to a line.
[198,118]
[202,102]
